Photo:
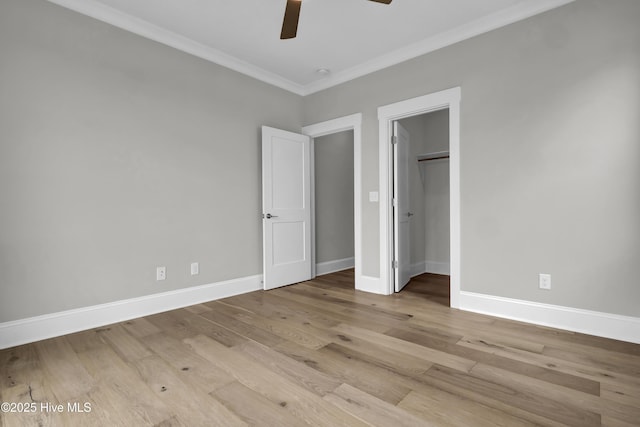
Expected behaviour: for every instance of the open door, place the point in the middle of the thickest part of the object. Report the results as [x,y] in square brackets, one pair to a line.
[286,207]
[401,214]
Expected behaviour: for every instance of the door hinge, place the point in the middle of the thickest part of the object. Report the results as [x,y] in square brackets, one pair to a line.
[394,139]
[395,263]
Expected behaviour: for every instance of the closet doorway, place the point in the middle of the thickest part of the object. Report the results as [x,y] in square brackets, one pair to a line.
[420,172]
[421,194]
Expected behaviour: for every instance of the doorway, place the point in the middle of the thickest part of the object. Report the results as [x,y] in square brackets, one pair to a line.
[351,123]
[332,204]
[421,211]
[287,170]
[388,115]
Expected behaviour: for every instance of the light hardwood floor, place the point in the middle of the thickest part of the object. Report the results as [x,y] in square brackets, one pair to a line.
[319,353]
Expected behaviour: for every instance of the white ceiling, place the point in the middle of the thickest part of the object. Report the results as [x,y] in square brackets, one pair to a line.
[349,37]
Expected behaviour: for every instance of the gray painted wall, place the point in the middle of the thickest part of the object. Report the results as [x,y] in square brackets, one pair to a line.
[334,196]
[119,154]
[436,188]
[550,152]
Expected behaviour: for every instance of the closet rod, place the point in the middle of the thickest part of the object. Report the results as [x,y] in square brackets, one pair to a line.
[433,156]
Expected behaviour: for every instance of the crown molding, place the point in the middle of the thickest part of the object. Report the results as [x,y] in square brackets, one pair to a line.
[114,17]
[101,12]
[518,12]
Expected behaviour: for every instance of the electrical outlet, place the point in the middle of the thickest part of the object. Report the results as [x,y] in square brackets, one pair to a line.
[544,281]
[195,268]
[161,273]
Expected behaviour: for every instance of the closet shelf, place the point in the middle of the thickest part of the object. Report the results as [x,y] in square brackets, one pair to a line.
[433,156]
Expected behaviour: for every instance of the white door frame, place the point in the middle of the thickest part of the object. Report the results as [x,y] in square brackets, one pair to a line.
[450,99]
[352,122]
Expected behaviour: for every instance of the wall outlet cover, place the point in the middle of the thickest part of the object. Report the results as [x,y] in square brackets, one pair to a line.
[544,281]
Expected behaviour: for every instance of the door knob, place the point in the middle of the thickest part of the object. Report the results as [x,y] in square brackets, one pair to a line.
[409,214]
[269,216]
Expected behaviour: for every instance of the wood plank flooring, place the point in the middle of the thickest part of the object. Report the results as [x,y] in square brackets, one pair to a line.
[319,353]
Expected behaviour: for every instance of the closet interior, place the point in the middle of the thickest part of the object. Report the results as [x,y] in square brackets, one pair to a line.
[429,192]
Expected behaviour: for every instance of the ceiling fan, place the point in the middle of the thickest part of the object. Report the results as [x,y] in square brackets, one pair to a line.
[292,13]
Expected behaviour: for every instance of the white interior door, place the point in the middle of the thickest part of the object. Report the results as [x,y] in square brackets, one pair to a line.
[286,207]
[401,214]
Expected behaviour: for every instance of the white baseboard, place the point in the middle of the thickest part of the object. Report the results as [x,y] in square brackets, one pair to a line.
[418,268]
[370,284]
[65,322]
[333,266]
[624,328]
[433,267]
[436,267]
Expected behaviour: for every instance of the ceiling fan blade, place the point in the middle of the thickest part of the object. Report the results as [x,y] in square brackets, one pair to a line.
[290,22]
[382,1]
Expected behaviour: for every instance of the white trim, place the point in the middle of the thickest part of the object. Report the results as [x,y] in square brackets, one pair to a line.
[153,32]
[433,267]
[449,98]
[418,268]
[520,11]
[312,169]
[437,267]
[351,122]
[37,328]
[336,265]
[369,284]
[596,323]
[333,126]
